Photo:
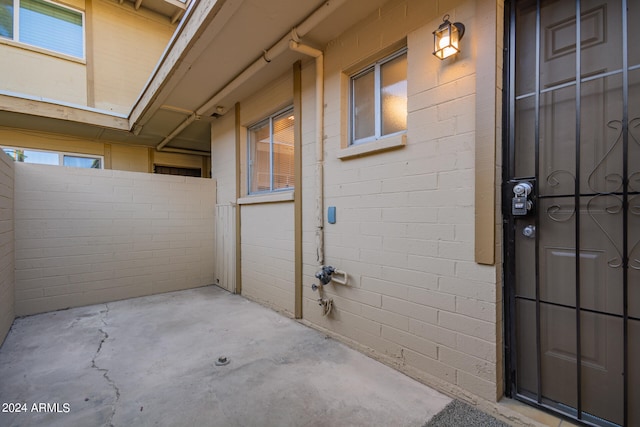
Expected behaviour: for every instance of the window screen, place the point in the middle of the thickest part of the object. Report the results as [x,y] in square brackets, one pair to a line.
[43,24]
[271,159]
[6,18]
[26,155]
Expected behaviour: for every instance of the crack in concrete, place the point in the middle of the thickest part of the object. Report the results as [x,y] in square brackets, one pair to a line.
[105,372]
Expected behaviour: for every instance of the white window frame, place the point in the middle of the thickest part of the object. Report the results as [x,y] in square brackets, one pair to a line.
[376,66]
[269,119]
[16,29]
[61,155]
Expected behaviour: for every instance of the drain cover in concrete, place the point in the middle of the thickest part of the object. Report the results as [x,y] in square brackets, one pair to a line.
[222,360]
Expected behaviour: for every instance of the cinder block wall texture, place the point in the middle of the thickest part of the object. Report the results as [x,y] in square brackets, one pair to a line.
[6,245]
[405,218]
[86,236]
[267,255]
[405,227]
[267,229]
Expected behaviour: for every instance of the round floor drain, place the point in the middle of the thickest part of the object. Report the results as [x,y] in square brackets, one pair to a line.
[222,360]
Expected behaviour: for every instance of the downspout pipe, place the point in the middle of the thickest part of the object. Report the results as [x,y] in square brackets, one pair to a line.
[319,57]
[319,15]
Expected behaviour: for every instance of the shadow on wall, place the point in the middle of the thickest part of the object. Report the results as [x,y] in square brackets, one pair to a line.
[88,236]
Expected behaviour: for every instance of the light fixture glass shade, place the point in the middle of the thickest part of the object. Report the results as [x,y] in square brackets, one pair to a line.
[446,39]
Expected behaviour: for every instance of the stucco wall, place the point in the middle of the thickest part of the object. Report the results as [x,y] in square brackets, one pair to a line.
[6,245]
[223,167]
[223,163]
[42,75]
[405,218]
[86,236]
[122,47]
[126,46]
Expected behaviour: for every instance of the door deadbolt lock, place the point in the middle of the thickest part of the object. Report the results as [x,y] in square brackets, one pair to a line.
[521,203]
[529,231]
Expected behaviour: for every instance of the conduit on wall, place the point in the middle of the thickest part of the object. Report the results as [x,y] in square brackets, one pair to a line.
[317,54]
[320,14]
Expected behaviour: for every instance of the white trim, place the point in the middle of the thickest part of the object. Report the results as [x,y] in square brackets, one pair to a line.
[279,197]
[16,21]
[374,67]
[61,155]
[16,33]
[268,121]
[43,51]
[377,98]
[55,102]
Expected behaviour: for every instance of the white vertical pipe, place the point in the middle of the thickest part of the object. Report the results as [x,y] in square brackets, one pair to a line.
[320,158]
[318,55]
[319,15]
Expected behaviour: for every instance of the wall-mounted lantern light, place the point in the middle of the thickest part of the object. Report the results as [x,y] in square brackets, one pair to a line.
[446,39]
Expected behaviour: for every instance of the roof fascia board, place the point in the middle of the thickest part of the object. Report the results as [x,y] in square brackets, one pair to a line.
[43,107]
[166,74]
[202,24]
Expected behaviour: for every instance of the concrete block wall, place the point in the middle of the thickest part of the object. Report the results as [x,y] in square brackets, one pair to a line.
[7,312]
[268,255]
[405,218]
[86,236]
[267,229]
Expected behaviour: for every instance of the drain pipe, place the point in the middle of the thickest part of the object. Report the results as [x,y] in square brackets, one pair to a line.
[187,151]
[325,275]
[319,15]
[192,118]
[318,55]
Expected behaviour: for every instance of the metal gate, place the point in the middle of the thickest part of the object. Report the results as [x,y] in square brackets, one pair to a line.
[572,207]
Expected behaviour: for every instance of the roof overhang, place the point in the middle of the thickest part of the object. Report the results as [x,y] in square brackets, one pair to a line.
[214,43]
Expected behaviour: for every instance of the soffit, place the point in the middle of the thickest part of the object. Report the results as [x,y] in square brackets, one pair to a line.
[224,51]
[235,36]
[85,131]
[172,9]
[215,43]
[254,28]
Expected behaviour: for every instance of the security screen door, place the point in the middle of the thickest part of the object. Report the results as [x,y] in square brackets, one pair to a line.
[572,207]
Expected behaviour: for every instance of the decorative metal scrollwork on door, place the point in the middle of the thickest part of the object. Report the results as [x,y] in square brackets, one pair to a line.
[609,186]
[555,180]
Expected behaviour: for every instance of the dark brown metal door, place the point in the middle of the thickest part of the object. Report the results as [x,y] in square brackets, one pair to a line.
[572,264]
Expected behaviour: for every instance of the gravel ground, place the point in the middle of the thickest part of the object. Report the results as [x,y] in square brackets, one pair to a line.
[459,414]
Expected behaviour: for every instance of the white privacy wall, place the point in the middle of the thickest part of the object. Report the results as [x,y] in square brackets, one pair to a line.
[6,245]
[86,236]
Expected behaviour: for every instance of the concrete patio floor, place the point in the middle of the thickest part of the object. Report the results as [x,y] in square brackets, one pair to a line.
[151,362]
